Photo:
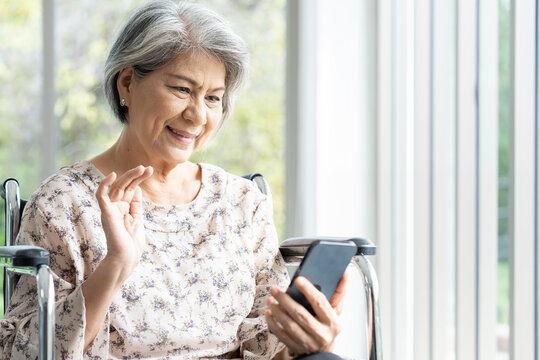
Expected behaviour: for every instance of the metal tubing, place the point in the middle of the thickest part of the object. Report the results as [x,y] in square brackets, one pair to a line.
[373,309]
[45,288]
[13,203]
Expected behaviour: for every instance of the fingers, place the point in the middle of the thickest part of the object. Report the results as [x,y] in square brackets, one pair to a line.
[126,184]
[318,301]
[123,189]
[118,187]
[148,171]
[296,311]
[277,330]
[302,341]
[299,322]
[102,194]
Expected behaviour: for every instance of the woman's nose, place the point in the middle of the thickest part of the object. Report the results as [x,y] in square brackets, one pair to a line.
[196,112]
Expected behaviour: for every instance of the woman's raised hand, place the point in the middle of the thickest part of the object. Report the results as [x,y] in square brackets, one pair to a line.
[302,332]
[122,216]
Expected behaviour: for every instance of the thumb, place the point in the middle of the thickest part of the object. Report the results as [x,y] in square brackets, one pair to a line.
[136,207]
[339,294]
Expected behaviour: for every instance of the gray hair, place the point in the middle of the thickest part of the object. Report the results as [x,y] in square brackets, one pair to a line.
[160,31]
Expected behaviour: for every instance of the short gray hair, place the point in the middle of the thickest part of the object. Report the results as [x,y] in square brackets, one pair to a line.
[160,31]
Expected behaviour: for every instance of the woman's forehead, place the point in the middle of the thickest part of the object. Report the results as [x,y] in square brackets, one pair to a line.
[196,66]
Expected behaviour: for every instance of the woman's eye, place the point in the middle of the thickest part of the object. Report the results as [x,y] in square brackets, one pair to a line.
[183,89]
[213,98]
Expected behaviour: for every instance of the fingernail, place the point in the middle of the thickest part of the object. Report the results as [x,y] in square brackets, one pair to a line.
[300,281]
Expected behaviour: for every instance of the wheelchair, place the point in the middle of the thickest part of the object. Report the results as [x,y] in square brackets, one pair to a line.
[360,339]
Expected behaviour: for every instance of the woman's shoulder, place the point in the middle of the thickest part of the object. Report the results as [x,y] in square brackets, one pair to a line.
[232,186]
[78,180]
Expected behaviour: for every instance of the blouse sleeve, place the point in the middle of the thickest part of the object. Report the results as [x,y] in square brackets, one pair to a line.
[257,341]
[60,234]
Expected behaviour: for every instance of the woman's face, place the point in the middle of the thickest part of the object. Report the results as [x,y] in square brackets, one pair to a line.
[173,111]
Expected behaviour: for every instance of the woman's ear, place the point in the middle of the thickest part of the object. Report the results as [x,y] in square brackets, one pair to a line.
[124,82]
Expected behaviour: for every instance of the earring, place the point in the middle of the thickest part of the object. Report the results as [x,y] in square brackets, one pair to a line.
[123,102]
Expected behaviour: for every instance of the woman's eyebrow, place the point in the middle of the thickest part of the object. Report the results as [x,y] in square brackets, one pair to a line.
[191,81]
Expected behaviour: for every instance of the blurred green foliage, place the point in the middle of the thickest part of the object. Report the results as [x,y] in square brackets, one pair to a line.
[20,93]
[503,291]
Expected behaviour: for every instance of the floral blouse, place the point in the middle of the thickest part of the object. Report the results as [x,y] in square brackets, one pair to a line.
[199,290]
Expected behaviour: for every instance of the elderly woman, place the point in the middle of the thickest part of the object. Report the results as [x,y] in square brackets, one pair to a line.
[155,256]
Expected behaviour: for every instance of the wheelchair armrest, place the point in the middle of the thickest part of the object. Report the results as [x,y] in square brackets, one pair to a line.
[22,255]
[298,246]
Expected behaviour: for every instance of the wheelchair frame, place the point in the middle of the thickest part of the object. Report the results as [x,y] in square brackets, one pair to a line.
[27,260]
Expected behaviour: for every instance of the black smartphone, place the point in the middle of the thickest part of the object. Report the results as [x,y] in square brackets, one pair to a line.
[323,265]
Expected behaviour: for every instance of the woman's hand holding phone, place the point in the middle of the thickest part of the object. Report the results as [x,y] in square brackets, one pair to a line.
[296,327]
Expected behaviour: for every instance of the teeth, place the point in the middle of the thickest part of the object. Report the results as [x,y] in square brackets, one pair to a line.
[177,132]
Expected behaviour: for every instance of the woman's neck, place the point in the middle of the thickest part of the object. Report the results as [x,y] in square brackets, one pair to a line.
[170,183]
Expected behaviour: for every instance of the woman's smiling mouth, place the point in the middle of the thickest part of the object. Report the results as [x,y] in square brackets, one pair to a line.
[184,137]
